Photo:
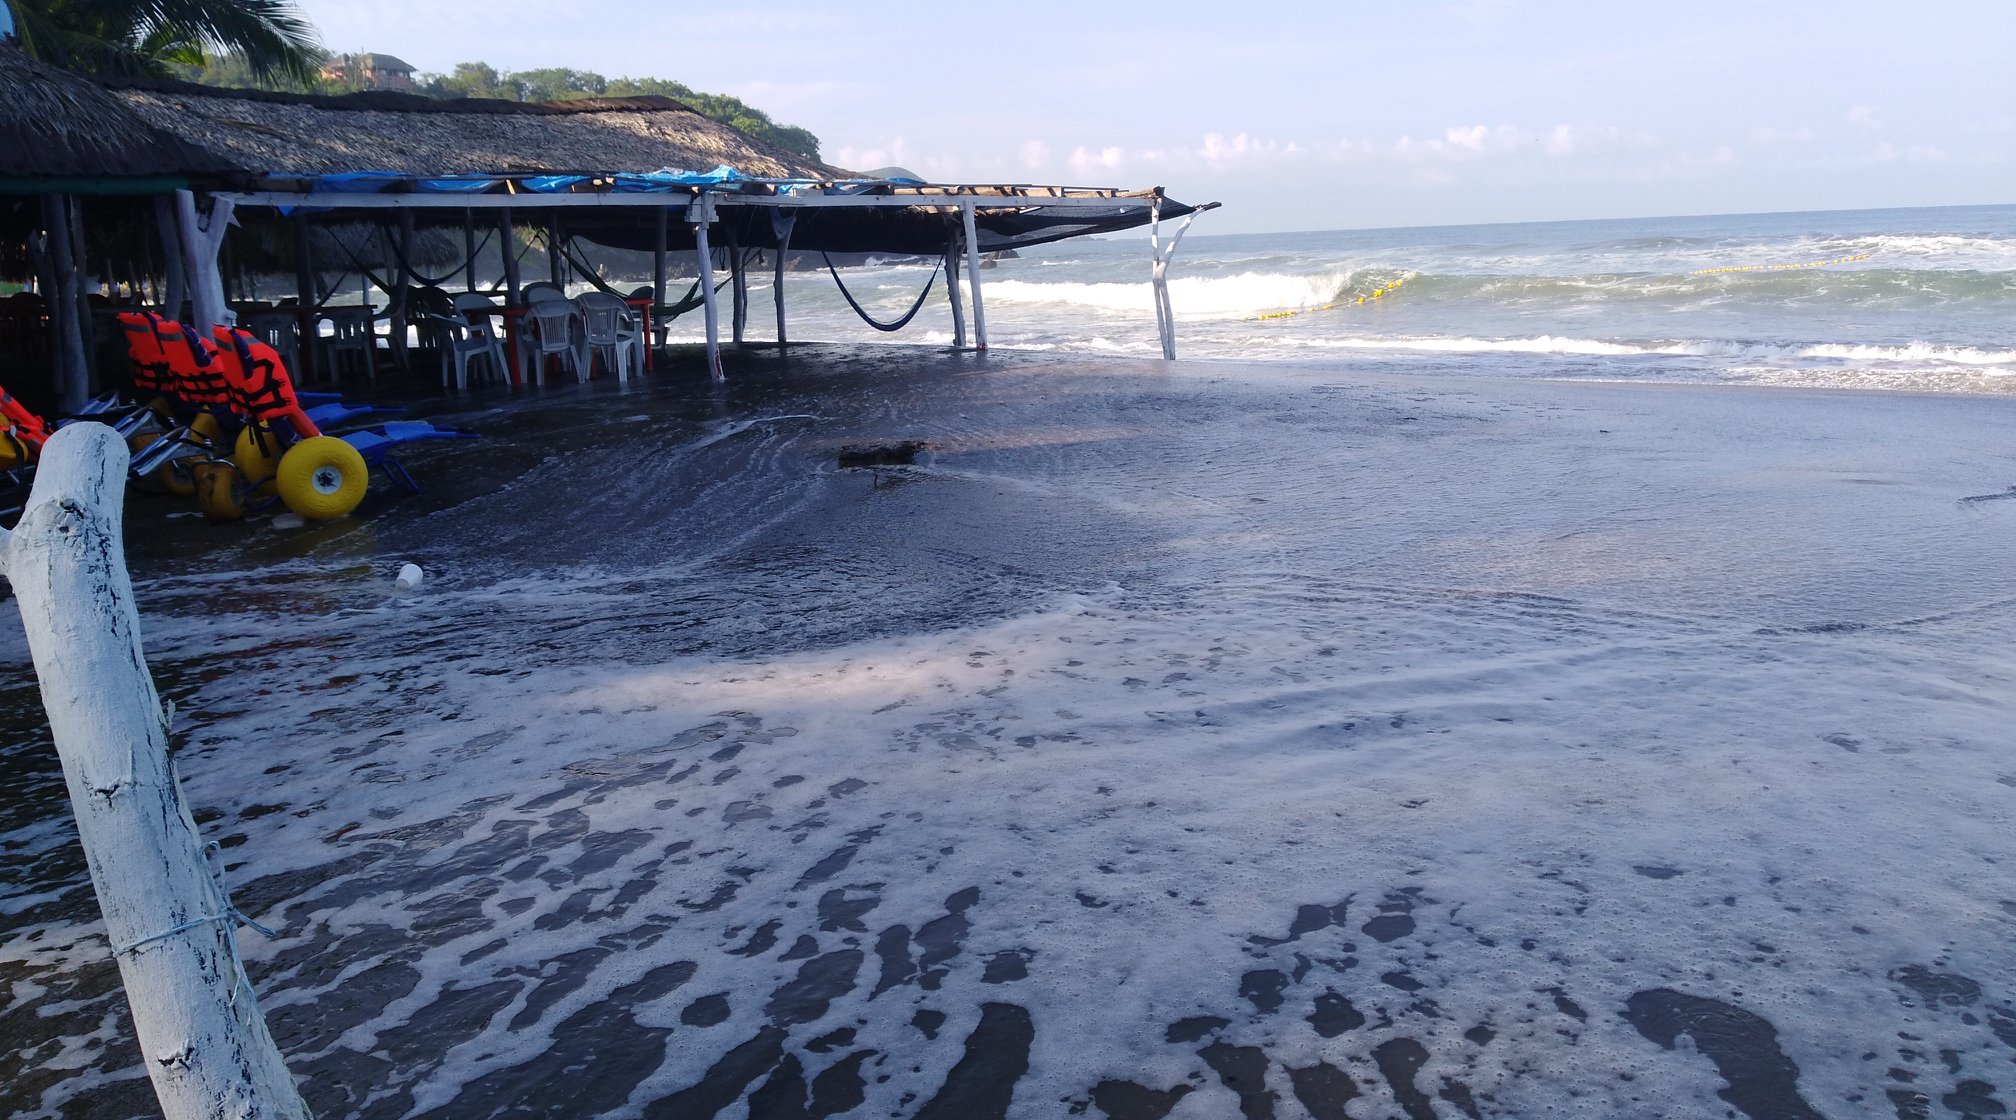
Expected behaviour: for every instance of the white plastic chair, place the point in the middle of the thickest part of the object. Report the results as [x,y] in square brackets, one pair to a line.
[464,339]
[551,329]
[351,331]
[610,329]
[279,329]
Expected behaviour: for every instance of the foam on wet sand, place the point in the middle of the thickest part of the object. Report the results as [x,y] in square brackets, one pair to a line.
[1169,742]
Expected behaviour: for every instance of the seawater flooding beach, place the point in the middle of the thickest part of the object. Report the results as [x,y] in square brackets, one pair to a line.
[1194,740]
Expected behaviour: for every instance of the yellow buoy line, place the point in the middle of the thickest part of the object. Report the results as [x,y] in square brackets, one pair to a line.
[1779,267]
[1377,293]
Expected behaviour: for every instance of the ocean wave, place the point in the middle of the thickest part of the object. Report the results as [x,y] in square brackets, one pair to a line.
[1917,352]
[1833,354]
[1246,293]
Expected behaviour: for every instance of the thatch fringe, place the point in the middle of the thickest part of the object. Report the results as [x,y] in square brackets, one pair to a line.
[57,125]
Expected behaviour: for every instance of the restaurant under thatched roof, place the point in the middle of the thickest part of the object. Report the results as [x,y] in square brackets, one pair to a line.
[279,134]
[379,171]
[61,132]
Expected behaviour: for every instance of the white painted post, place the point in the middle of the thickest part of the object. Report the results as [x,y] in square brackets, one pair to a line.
[952,293]
[973,273]
[701,212]
[783,225]
[173,932]
[201,240]
[1165,315]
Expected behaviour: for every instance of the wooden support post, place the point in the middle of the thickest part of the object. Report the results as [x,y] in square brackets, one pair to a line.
[1158,276]
[554,262]
[87,327]
[658,258]
[307,290]
[700,212]
[973,273]
[738,287]
[173,932]
[169,226]
[507,236]
[201,239]
[783,225]
[468,249]
[952,293]
[63,300]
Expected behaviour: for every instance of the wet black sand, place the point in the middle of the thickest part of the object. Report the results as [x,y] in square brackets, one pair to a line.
[685,919]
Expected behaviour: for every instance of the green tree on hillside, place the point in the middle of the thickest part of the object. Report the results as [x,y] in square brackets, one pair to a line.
[150,37]
[480,79]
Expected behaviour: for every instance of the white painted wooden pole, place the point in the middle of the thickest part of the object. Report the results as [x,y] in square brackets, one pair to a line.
[973,274]
[783,225]
[200,242]
[1165,315]
[700,213]
[952,293]
[172,930]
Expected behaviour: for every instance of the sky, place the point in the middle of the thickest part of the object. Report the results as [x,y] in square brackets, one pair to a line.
[1326,115]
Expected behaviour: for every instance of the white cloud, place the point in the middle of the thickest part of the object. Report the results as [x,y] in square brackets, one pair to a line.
[1086,162]
[1862,116]
[1035,155]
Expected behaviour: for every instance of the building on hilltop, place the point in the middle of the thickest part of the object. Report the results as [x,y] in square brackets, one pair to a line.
[366,71]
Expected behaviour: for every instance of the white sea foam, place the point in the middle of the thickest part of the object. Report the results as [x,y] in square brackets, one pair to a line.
[1602,698]
[1249,293]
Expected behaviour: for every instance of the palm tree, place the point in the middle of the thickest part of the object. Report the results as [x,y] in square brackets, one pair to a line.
[114,38]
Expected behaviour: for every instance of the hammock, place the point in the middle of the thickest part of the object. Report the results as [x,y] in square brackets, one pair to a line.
[899,324]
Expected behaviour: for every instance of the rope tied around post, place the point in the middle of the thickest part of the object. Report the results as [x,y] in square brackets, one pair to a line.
[230,916]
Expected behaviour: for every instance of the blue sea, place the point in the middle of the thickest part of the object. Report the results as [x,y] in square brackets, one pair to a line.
[1867,299]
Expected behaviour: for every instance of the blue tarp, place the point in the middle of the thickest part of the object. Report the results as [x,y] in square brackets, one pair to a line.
[666,180]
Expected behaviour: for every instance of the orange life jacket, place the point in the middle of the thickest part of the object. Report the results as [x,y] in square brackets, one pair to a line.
[197,376]
[258,381]
[24,432]
[151,372]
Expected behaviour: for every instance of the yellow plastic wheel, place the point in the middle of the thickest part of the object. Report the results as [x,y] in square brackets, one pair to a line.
[217,490]
[208,428]
[174,475]
[256,455]
[322,478]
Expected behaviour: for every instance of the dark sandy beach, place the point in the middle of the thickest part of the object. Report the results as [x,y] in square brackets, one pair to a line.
[1187,741]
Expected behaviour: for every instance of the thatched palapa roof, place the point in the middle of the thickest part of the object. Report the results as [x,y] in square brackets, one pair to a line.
[55,126]
[275,134]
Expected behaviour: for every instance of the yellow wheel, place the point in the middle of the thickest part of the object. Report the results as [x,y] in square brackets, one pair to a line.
[257,452]
[322,478]
[174,475]
[208,428]
[217,490]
